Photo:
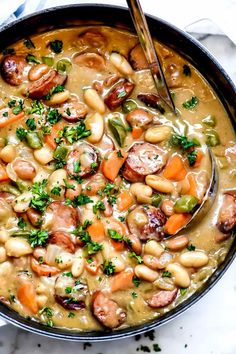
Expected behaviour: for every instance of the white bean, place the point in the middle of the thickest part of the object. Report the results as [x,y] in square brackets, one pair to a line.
[157,133]
[57,178]
[59,98]
[41,289]
[3,254]
[37,71]
[195,259]
[94,101]
[65,260]
[78,264]
[22,203]
[180,275]
[160,184]
[43,155]
[95,123]
[4,236]
[177,243]
[118,263]
[142,192]
[6,269]
[8,153]
[17,247]
[153,248]
[41,300]
[121,64]
[145,273]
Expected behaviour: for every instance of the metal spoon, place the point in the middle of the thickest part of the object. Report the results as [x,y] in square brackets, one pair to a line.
[208,199]
[153,60]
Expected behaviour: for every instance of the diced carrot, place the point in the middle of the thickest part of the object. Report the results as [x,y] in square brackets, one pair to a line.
[50,138]
[113,164]
[176,222]
[122,280]
[198,158]
[26,294]
[92,267]
[124,200]
[43,269]
[193,188]
[175,169]
[118,245]
[137,132]
[96,231]
[10,118]
[3,174]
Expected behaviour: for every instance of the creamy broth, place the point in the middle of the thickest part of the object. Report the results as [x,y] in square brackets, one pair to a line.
[85,214]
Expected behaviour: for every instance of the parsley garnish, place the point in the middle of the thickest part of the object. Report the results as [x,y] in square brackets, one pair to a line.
[21,133]
[81,199]
[31,123]
[30,58]
[21,223]
[192,156]
[56,190]
[191,247]
[156,348]
[53,116]
[109,268]
[75,133]
[92,246]
[115,235]
[56,89]
[40,198]
[139,259]
[134,295]
[136,281]
[166,274]
[71,315]
[99,206]
[38,238]
[183,291]
[190,104]
[186,70]
[119,153]
[185,144]
[56,46]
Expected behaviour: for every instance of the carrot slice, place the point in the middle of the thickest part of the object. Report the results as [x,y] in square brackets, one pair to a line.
[26,294]
[122,280]
[193,189]
[96,231]
[175,170]
[198,158]
[137,132]
[50,138]
[11,117]
[3,174]
[113,164]
[43,269]
[176,222]
[92,267]
[124,200]
[118,245]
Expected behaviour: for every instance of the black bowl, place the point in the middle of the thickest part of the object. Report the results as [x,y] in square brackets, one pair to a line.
[190,49]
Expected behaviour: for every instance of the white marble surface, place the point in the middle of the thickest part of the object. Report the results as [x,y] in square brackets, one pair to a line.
[207,328]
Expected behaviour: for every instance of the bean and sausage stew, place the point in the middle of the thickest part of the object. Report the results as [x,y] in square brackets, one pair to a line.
[96,174]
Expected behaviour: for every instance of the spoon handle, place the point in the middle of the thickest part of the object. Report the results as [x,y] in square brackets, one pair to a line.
[153,60]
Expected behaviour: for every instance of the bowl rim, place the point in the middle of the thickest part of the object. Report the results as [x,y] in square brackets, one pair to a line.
[13,317]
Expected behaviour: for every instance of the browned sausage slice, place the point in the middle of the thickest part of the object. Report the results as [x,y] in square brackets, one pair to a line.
[137,58]
[82,161]
[107,311]
[12,69]
[93,38]
[73,111]
[118,94]
[90,60]
[42,87]
[34,217]
[143,159]
[227,215]
[139,118]
[8,197]
[162,298]
[151,100]
[151,227]
[63,240]
[62,216]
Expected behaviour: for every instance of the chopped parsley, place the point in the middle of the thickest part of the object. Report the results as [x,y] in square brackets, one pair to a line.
[38,238]
[186,145]
[21,223]
[75,133]
[60,155]
[134,295]
[30,58]
[68,290]
[166,274]
[68,185]
[56,46]
[183,291]
[36,108]
[47,311]
[156,347]
[139,259]
[121,94]
[186,70]
[136,281]
[67,274]
[190,104]
[30,122]
[81,199]
[92,246]
[56,89]
[115,235]
[71,315]
[191,247]
[119,153]
[56,190]
[109,268]
[192,156]
[53,116]
[98,206]
[40,198]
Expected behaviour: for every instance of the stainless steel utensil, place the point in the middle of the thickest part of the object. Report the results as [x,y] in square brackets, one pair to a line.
[153,60]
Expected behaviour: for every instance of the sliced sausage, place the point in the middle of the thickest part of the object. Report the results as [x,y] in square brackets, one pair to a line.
[162,298]
[24,169]
[12,69]
[34,217]
[151,100]
[118,94]
[227,215]
[73,111]
[147,223]
[90,60]
[93,38]
[137,58]
[8,197]
[107,311]
[143,159]
[139,118]
[63,240]
[62,216]
[72,299]
[82,161]
[42,87]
